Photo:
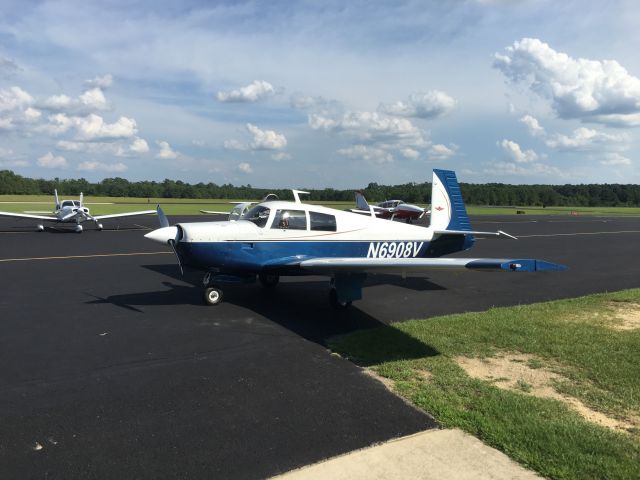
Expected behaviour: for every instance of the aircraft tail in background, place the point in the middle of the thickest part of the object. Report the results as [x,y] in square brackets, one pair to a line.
[361,202]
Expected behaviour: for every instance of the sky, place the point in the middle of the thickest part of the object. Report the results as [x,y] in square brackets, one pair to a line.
[297,94]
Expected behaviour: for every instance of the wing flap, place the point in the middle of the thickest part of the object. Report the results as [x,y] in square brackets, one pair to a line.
[420,264]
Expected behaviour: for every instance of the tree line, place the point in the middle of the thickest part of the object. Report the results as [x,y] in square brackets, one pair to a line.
[499,194]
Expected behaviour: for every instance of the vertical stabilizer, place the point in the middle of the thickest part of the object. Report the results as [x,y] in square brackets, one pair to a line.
[55,196]
[361,202]
[447,207]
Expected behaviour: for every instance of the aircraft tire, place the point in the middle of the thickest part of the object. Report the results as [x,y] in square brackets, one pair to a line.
[335,303]
[269,280]
[213,296]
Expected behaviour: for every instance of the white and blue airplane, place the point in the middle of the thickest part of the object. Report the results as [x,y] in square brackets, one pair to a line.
[72,211]
[277,238]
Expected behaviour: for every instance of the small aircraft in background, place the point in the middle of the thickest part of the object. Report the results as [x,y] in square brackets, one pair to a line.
[391,209]
[277,238]
[72,211]
[240,208]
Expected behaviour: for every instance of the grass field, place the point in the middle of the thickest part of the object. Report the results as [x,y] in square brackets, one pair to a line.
[191,206]
[554,385]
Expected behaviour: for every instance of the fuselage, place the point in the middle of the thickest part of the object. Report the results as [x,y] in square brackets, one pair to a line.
[72,211]
[276,236]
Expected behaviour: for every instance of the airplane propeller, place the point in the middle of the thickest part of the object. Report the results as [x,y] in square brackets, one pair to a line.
[168,233]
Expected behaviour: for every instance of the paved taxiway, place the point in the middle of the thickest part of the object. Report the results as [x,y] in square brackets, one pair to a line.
[114,367]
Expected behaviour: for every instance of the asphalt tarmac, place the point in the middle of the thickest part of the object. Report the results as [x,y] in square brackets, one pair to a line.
[111,366]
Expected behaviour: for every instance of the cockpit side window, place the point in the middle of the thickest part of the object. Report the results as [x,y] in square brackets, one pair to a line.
[290,220]
[76,203]
[258,215]
[322,222]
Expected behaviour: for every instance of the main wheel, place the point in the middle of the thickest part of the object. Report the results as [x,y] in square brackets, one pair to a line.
[212,296]
[335,303]
[269,280]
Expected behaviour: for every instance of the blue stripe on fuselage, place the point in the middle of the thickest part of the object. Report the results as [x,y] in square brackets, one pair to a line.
[276,255]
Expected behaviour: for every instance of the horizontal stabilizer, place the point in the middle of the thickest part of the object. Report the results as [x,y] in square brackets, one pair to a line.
[499,233]
[324,265]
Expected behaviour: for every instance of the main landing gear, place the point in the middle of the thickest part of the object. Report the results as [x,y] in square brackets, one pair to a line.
[344,288]
[213,294]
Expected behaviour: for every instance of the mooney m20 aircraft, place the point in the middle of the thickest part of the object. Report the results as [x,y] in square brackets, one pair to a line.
[292,238]
[72,211]
[390,209]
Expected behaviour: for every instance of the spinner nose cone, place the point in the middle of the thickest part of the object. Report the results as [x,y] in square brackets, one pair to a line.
[163,235]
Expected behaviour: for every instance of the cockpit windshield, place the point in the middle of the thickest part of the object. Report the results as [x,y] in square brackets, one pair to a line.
[67,203]
[258,215]
[76,203]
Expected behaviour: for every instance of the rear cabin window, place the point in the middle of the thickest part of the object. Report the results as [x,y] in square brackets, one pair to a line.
[322,222]
[290,220]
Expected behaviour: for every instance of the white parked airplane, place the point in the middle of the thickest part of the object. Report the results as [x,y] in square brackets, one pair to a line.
[72,211]
[292,238]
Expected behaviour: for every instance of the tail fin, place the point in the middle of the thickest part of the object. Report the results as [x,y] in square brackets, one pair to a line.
[447,207]
[55,195]
[361,202]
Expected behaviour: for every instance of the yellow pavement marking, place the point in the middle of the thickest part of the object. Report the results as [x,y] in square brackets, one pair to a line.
[97,255]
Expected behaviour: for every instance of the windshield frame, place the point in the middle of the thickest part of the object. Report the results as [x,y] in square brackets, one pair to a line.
[256,215]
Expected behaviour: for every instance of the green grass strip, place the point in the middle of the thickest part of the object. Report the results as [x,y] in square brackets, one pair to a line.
[575,338]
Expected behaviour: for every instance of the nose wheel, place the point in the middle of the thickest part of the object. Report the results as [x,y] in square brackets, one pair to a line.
[213,296]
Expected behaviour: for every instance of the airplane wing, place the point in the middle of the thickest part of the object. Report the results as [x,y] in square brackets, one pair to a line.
[212,212]
[127,214]
[399,265]
[26,215]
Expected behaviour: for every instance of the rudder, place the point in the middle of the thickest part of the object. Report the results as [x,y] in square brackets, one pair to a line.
[447,207]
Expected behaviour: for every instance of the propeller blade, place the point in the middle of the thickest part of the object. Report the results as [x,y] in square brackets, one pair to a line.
[81,198]
[164,221]
[173,247]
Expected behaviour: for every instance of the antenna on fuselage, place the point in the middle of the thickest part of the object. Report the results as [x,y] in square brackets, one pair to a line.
[296,195]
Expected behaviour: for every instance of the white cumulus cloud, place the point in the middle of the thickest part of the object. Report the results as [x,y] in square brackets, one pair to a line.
[589,90]
[49,160]
[372,127]
[533,126]
[266,139]
[91,166]
[256,90]
[615,159]
[279,156]
[516,154]
[139,145]
[166,151]
[431,104]
[439,152]
[245,167]
[102,82]
[373,155]
[585,139]
[93,127]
